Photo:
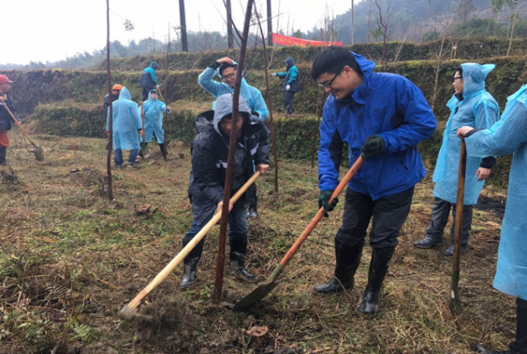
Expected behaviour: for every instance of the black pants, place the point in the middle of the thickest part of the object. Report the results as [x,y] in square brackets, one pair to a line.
[288,100]
[389,214]
[145,93]
[440,214]
[519,346]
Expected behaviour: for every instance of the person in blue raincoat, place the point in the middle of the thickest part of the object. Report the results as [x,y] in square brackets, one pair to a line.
[290,85]
[382,117]
[149,80]
[225,69]
[154,111]
[509,136]
[470,105]
[126,124]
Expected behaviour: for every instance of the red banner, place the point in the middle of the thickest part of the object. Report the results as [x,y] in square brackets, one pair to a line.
[286,40]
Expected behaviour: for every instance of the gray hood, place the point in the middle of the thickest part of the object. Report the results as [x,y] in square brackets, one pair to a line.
[224,108]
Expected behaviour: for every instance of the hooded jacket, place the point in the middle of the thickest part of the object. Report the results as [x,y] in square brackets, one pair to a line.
[148,79]
[210,150]
[253,97]
[477,109]
[290,76]
[509,136]
[385,104]
[5,118]
[154,111]
[126,122]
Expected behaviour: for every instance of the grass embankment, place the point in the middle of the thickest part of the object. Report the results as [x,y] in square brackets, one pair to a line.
[70,260]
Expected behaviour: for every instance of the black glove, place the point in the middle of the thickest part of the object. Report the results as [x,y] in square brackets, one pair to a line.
[323,201]
[374,145]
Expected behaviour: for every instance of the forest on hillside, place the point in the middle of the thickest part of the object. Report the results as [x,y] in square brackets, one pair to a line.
[374,21]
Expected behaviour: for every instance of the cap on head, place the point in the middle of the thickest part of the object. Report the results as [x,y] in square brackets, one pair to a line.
[117,87]
[5,80]
[224,66]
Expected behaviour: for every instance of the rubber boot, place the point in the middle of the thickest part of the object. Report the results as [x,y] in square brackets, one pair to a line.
[191,265]
[144,147]
[162,149]
[3,152]
[253,208]
[380,261]
[347,262]
[237,257]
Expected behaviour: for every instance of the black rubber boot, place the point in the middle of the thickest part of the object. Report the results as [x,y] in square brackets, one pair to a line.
[237,256]
[191,265]
[428,242]
[253,208]
[347,262]
[163,151]
[380,261]
[3,152]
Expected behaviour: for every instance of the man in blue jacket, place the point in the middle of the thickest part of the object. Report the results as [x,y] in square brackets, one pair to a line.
[290,85]
[473,106]
[382,117]
[225,68]
[148,80]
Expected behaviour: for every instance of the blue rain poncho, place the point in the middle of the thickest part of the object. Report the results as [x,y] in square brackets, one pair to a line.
[508,136]
[126,122]
[478,109]
[153,111]
[252,95]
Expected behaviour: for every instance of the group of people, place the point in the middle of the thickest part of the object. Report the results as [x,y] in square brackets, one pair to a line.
[381,117]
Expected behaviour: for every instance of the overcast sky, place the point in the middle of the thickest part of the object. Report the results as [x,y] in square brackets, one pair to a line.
[38,30]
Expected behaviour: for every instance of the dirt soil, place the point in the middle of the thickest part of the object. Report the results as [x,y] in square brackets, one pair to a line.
[70,260]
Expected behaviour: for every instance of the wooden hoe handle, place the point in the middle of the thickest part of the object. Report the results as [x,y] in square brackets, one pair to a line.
[186,250]
[17,123]
[349,175]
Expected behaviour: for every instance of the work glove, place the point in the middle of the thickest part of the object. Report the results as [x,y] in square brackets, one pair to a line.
[273,74]
[323,201]
[157,87]
[288,87]
[374,145]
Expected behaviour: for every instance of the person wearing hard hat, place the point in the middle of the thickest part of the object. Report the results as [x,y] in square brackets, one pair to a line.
[6,120]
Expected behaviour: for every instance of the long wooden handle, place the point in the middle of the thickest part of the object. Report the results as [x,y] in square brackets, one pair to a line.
[17,123]
[186,250]
[349,175]
[454,295]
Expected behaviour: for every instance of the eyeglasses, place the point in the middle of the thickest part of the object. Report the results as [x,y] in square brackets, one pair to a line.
[328,84]
[458,78]
[231,75]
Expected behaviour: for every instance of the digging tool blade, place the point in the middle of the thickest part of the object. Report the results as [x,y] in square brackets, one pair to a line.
[265,288]
[38,151]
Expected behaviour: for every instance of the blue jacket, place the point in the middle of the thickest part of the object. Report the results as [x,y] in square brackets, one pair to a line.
[385,104]
[252,96]
[153,112]
[126,122]
[478,109]
[148,79]
[290,76]
[5,118]
[509,136]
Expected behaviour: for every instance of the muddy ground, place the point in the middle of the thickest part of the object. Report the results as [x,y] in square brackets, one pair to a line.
[70,260]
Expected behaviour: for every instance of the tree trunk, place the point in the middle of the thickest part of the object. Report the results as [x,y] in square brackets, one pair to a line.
[269,24]
[513,27]
[369,23]
[230,36]
[183,24]
[110,109]
[352,29]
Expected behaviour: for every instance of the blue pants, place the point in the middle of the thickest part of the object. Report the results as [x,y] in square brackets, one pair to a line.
[237,223]
[118,156]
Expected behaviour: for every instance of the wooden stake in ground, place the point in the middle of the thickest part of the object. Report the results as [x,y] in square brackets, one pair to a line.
[455,303]
[270,106]
[220,261]
[109,83]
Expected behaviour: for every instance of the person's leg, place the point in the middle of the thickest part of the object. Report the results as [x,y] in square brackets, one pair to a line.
[292,100]
[288,102]
[434,232]
[3,153]
[238,241]
[349,241]
[118,158]
[519,346]
[252,201]
[4,143]
[389,215]
[144,95]
[465,229]
[192,259]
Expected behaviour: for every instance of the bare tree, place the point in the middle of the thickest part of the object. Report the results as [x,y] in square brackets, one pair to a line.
[383,25]
[183,26]
[230,36]
[269,24]
[110,108]
[497,5]
[352,27]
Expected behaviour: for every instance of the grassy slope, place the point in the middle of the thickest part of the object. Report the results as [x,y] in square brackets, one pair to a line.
[70,260]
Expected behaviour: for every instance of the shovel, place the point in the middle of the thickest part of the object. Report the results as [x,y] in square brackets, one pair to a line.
[455,303]
[39,153]
[266,287]
[128,312]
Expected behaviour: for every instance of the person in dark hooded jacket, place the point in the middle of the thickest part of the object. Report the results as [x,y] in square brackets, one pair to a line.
[5,118]
[382,117]
[210,150]
[148,80]
[116,90]
[290,85]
